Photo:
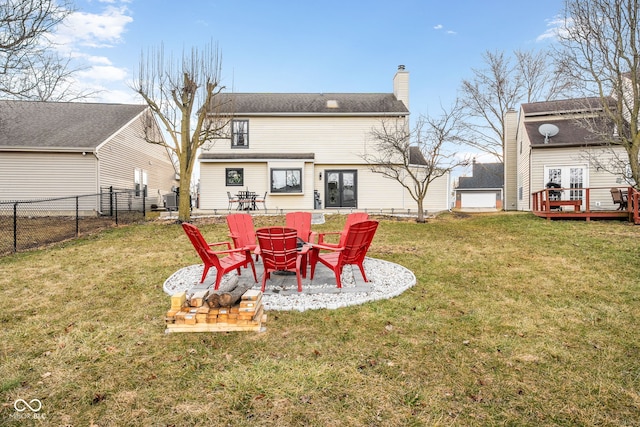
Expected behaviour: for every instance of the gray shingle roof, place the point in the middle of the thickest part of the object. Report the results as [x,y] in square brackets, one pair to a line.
[310,103]
[61,125]
[564,106]
[485,175]
[571,131]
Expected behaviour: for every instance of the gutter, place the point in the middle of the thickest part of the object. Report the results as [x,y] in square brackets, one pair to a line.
[49,149]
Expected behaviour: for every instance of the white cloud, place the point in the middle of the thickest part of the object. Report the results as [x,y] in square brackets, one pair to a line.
[104,73]
[94,30]
[88,38]
[440,27]
[98,60]
[555,26]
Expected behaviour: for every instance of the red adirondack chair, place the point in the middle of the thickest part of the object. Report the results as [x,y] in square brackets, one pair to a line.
[356,244]
[301,222]
[234,259]
[242,231]
[352,218]
[280,252]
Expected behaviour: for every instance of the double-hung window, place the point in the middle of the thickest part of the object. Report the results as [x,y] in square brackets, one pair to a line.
[286,180]
[240,134]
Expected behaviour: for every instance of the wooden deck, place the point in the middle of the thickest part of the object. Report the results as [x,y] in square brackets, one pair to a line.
[586,207]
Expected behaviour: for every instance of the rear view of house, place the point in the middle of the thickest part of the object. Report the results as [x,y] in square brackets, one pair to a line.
[306,150]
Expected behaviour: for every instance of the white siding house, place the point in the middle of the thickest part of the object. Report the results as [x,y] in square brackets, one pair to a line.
[291,146]
[566,156]
[50,149]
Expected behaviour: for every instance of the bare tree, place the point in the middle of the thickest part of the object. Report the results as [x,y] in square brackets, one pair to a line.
[416,157]
[600,49]
[29,66]
[501,86]
[182,92]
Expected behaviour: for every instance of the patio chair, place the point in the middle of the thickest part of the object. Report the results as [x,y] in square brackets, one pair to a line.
[301,222]
[352,218]
[262,200]
[242,231]
[279,251]
[355,247]
[619,198]
[234,259]
[232,200]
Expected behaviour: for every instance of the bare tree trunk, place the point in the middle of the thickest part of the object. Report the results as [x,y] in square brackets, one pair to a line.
[420,211]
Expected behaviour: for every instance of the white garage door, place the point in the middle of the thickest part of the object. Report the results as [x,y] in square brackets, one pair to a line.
[478,200]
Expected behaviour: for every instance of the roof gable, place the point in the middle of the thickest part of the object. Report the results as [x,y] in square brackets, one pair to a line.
[309,104]
[61,125]
[484,175]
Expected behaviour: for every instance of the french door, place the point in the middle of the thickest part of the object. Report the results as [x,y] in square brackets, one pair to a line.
[572,178]
[341,189]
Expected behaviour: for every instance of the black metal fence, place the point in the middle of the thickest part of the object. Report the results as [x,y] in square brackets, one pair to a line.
[28,224]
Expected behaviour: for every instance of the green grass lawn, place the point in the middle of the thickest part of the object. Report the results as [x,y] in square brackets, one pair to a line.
[513,321]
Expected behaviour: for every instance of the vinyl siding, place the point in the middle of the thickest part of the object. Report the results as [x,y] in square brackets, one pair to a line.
[334,140]
[33,175]
[213,188]
[374,191]
[126,151]
[336,143]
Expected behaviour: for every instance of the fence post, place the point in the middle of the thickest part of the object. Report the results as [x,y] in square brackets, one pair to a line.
[115,197]
[111,195]
[15,227]
[77,216]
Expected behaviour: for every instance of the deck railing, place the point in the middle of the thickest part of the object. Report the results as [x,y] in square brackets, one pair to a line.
[587,200]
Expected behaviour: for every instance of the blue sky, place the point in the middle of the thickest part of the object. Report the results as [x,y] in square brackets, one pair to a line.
[301,46]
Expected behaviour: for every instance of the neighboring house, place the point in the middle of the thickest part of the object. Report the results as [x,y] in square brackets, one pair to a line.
[483,189]
[546,143]
[292,146]
[56,149]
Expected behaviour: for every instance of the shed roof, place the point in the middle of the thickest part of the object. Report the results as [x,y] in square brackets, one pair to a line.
[309,104]
[61,126]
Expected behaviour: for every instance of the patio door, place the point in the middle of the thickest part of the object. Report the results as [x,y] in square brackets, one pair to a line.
[573,178]
[341,188]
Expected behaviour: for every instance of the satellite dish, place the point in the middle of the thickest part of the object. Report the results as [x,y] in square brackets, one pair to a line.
[548,130]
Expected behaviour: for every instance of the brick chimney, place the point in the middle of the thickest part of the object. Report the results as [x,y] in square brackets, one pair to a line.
[401,85]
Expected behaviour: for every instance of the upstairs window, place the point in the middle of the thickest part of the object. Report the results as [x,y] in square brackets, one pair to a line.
[240,134]
[286,180]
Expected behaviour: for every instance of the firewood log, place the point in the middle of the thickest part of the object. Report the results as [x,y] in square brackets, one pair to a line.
[227,299]
[213,299]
